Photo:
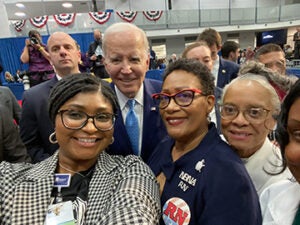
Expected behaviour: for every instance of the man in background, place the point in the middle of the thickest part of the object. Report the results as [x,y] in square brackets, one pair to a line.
[230,51]
[35,124]
[95,54]
[273,57]
[224,71]
[127,58]
[297,44]
[173,58]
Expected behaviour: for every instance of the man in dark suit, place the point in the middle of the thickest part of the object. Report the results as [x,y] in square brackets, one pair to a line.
[296,39]
[223,70]
[35,124]
[12,148]
[8,99]
[127,58]
[95,54]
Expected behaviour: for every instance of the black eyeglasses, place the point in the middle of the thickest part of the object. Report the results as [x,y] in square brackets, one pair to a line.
[182,98]
[75,120]
[252,115]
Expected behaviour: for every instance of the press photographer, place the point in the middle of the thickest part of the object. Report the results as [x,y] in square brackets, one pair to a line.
[36,55]
[95,54]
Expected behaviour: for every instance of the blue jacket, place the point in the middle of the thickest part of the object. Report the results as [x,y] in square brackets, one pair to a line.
[227,72]
[153,128]
[208,185]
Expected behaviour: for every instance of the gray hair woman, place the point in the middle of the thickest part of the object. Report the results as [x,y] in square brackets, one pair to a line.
[249,107]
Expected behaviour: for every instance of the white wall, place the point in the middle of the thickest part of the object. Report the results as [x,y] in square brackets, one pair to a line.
[5,31]
[175,45]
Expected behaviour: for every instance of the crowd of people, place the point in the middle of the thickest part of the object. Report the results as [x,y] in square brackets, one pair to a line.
[214,142]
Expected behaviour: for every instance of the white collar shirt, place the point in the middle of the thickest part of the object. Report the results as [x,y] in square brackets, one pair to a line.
[215,69]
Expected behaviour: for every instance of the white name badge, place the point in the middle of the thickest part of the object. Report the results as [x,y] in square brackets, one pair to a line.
[60,214]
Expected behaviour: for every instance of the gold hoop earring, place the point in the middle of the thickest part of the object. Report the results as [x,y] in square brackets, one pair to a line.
[52,138]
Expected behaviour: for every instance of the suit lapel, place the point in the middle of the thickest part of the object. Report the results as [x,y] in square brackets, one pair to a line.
[151,113]
[222,74]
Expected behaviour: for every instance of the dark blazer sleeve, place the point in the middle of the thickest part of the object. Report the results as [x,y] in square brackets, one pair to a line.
[12,148]
[35,124]
[91,49]
[8,99]
[15,107]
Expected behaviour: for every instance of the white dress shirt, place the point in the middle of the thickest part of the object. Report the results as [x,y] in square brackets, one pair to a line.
[279,202]
[263,164]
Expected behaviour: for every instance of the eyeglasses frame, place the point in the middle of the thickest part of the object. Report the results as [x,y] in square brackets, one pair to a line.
[61,112]
[194,90]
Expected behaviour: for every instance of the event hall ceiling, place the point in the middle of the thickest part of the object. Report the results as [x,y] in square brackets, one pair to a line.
[50,7]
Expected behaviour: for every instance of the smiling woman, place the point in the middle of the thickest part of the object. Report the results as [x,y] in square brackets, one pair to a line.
[100,188]
[249,107]
[199,174]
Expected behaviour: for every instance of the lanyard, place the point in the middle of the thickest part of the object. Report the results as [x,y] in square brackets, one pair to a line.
[61,180]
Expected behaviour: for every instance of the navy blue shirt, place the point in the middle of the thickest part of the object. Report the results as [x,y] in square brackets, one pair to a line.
[208,185]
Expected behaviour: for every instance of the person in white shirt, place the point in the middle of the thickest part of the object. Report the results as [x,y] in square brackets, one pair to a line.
[280,201]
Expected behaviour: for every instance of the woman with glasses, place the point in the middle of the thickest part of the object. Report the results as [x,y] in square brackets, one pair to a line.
[249,109]
[80,183]
[280,201]
[202,181]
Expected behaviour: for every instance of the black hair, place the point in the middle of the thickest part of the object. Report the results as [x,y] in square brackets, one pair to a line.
[282,135]
[267,48]
[195,67]
[72,84]
[33,33]
[227,47]
[211,37]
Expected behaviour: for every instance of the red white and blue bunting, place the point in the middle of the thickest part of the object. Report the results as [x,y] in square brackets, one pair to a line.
[128,16]
[100,17]
[65,19]
[152,15]
[39,21]
[19,25]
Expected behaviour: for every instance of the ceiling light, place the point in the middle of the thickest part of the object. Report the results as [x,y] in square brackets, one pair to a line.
[20,14]
[67,5]
[20,5]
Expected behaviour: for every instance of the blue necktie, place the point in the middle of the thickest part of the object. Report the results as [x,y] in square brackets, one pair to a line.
[132,126]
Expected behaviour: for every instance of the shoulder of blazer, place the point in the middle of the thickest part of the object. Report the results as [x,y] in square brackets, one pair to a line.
[227,63]
[41,89]
[152,86]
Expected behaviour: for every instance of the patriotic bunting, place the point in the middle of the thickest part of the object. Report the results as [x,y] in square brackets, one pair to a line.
[100,17]
[19,25]
[152,15]
[128,16]
[39,21]
[65,19]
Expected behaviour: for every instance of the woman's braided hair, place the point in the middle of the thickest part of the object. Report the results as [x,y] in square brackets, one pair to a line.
[73,84]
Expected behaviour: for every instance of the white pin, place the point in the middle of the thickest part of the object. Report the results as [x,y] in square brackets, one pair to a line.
[200,165]
[153,108]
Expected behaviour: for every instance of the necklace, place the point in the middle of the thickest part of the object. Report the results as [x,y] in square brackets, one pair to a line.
[69,170]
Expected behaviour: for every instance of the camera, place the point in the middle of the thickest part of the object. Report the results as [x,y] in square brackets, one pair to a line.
[34,40]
